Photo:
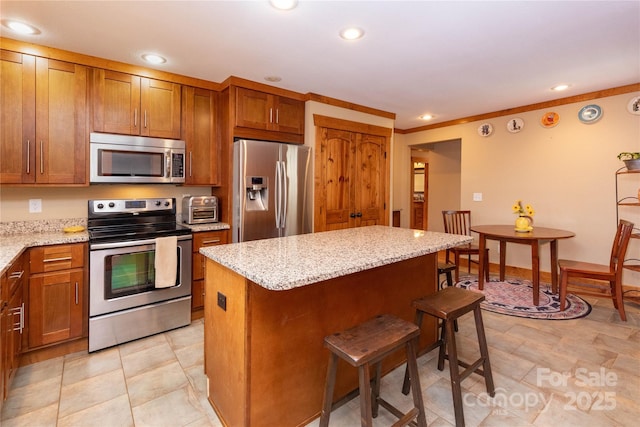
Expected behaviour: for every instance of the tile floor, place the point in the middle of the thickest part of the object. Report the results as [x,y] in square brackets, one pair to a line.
[563,373]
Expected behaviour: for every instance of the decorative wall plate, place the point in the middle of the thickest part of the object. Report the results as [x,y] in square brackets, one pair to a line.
[634,106]
[485,129]
[515,125]
[550,119]
[590,113]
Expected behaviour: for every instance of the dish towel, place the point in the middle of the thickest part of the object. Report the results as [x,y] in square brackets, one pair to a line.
[166,262]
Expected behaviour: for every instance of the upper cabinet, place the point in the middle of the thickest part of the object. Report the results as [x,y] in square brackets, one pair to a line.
[264,111]
[199,130]
[43,112]
[134,105]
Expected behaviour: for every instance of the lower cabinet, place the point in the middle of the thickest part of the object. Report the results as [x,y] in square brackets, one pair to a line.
[200,240]
[57,294]
[13,322]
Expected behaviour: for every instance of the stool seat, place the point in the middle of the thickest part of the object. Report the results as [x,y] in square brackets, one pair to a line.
[448,305]
[446,268]
[365,344]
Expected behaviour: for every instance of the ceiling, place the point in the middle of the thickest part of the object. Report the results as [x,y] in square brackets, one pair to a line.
[452,59]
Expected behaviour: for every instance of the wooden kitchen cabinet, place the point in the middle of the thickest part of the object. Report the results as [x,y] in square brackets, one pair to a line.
[351,169]
[265,111]
[12,321]
[200,240]
[133,105]
[57,294]
[43,109]
[199,131]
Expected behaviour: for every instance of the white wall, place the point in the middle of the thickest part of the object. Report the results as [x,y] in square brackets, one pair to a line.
[566,172]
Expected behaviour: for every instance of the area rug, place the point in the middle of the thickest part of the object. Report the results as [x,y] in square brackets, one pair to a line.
[515,298]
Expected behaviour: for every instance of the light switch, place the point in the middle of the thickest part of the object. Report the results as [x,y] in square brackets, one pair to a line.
[35,205]
[477,197]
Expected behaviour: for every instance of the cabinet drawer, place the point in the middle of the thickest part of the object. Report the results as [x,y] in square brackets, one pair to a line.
[209,238]
[15,275]
[44,259]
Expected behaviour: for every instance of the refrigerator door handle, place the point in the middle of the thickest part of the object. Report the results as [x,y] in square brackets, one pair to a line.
[283,212]
[278,197]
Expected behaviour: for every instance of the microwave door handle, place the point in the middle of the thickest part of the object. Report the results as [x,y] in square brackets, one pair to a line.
[167,173]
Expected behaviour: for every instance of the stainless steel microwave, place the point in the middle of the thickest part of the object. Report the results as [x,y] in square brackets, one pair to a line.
[122,159]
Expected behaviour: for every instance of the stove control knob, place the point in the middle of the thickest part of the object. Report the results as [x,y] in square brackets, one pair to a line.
[100,206]
[111,204]
[167,203]
[158,202]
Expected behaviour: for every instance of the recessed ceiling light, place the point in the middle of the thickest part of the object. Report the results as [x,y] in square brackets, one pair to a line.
[20,27]
[273,79]
[152,58]
[352,33]
[284,4]
[561,87]
[426,117]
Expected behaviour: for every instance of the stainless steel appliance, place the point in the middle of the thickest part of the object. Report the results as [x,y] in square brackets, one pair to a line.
[124,303]
[270,190]
[120,159]
[199,209]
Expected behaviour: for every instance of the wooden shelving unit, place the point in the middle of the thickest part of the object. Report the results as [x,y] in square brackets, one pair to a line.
[624,200]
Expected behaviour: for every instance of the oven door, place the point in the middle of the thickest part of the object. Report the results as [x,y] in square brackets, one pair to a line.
[122,275]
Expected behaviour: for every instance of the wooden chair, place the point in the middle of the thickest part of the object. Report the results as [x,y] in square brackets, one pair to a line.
[459,222]
[611,273]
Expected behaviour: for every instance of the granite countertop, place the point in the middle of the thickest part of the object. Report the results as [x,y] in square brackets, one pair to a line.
[294,261]
[17,236]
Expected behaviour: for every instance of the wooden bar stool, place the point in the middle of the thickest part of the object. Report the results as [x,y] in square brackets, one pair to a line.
[367,344]
[446,268]
[448,305]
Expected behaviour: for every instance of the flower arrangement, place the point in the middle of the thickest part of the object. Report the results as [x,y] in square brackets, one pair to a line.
[527,210]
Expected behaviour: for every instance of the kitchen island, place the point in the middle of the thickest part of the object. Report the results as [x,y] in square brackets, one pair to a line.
[270,303]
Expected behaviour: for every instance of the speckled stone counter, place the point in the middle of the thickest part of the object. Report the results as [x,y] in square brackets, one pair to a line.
[290,262]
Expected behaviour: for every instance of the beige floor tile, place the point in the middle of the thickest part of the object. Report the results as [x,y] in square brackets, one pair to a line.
[91,391]
[81,368]
[620,345]
[113,413]
[147,359]
[177,408]
[141,344]
[43,417]
[192,355]
[31,397]
[37,372]
[153,384]
[187,336]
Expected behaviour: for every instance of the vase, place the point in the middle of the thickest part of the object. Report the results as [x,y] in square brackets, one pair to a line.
[523,224]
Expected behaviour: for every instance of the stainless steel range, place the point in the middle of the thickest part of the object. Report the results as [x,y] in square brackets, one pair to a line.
[126,301]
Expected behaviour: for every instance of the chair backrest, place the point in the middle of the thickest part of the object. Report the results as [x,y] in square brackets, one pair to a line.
[457,222]
[620,243]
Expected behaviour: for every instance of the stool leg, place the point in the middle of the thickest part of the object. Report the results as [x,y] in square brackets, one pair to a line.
[449,278]
[484,351]
[454,372]
[443,345]
[365,395]
[406,385]
[330,382]
[375,393]
[412,366]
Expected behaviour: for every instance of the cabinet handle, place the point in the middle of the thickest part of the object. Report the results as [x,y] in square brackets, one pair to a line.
[28,157]
[209,242]
[66,258]
[41,157]
[76,293]
[145,119]
[21,317]
[190,163]
[135,117]
[277,115]
[270,115]
[16,274]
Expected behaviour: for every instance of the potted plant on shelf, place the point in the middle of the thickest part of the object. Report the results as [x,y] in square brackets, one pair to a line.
[631,160]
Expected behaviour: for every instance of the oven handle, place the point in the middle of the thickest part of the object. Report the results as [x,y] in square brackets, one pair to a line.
[129,243]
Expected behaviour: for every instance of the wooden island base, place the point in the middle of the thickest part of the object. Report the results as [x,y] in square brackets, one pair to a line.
[264,351]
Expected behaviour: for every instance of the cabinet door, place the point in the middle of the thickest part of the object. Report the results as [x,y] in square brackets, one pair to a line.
[334,187]
[200,134]
[17,118]
[289,115]
[14,324]
[200,240]
[253,109]
[61,92]
[160,106]
[55,307]
[369,180]
[115,102]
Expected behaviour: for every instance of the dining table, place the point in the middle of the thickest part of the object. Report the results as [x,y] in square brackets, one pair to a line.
[535,237]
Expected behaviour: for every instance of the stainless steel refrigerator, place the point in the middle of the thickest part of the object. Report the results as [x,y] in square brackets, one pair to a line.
[270,183]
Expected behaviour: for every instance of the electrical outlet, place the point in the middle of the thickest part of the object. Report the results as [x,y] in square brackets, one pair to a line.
[222,301]
[477,197]
[35,205]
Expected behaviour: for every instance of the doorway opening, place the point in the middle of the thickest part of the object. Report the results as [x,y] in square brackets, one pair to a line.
[419,193]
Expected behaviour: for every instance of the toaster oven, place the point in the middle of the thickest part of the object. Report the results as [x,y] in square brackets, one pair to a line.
[199,209]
